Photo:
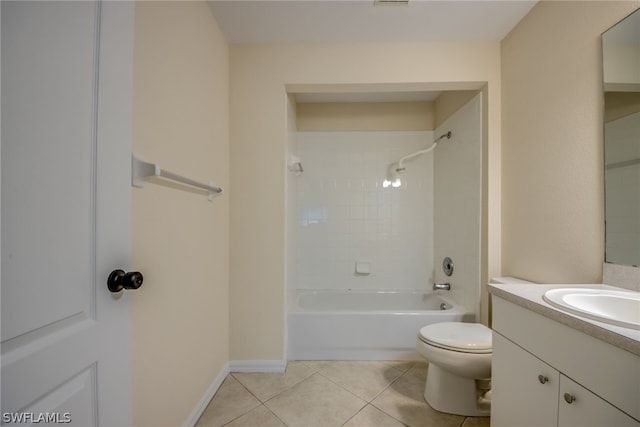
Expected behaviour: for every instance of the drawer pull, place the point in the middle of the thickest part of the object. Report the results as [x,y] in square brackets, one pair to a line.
[543,379]
[569,398]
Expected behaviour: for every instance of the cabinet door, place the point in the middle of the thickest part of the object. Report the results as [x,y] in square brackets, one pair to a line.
[581,408]
[524,389]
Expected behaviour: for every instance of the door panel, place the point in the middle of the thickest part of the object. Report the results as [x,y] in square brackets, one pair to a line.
[47,74]
[72,401]
[66,142]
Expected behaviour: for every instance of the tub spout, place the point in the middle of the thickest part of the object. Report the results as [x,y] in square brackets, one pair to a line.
[441,286]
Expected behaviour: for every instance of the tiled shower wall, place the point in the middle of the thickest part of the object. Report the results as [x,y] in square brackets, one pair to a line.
[344,215]
[457,201]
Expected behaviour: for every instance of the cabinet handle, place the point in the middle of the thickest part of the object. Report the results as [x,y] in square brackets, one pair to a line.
[569,398]
[543,379]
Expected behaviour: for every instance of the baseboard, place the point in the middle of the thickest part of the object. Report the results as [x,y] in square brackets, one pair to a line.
[206,398]
[270,366]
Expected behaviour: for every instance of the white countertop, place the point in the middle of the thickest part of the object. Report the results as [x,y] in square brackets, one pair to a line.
[529,296]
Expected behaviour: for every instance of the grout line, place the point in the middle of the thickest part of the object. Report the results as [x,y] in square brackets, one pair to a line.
[274,414]
[263,403]
[388,387]
[249,391]
[245,387]
[342,387]
[259,400]
[393,382]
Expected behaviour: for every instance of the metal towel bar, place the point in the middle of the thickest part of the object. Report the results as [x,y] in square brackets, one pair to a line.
[141,170]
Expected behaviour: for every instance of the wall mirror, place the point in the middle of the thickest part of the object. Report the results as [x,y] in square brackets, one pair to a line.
[621,75]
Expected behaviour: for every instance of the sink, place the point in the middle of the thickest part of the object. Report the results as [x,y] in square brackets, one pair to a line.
[618,308]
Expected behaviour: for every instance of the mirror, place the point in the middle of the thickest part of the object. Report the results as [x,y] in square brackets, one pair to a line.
[621,75]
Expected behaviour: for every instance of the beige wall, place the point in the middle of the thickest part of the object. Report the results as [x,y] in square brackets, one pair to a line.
[449,103]
[259,139]
[381,116]
[179,239]
[365,116]
[552,152]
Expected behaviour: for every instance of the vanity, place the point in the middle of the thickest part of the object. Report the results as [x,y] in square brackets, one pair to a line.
[553,368]
[563,361]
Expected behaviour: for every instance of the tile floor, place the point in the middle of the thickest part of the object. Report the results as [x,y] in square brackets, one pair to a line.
[331,394]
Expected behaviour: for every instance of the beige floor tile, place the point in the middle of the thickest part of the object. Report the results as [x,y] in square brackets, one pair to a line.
[403,365]
[316,365]
[365,379]
[419,371]
[477,422]
[321,399]
[231,401]
[404,401]
[371,416]
[315,402]
[265,386]
[260,416]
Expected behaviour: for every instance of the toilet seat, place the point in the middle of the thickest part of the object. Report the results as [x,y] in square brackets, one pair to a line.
[456,336]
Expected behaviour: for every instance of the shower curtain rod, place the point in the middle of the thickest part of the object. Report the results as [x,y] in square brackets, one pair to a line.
[401,168]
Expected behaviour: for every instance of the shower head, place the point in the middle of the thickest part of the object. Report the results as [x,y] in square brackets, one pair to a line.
[393,176]
[395,169]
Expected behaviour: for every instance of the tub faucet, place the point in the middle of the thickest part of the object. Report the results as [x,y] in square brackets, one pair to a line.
[441,286]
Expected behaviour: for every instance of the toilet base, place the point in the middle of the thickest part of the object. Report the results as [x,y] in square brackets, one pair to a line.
[454,394]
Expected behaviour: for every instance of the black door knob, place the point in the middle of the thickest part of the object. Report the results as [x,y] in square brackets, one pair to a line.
[119,280]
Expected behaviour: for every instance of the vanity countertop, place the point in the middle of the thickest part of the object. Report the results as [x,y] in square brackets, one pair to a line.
[529,296]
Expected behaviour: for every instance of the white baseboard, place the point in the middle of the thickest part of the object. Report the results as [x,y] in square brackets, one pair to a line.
[206,398]
[270,366]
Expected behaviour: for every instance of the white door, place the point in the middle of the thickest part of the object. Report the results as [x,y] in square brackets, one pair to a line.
[66,144]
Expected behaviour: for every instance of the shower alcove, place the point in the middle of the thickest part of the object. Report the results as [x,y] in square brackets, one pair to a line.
[352,233]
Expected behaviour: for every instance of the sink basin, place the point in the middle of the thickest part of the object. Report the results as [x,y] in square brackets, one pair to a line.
[618,308]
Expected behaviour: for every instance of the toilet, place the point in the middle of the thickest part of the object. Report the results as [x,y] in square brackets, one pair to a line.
[459,373]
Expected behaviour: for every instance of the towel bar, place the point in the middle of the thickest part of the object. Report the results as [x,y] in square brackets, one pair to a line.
[141,170]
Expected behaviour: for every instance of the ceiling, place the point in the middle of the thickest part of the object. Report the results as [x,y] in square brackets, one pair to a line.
[360,21]
[343,21]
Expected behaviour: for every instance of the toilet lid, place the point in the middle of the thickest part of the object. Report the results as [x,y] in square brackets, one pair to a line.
[458,336]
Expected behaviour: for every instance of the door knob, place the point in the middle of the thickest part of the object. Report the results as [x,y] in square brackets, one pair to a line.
[119,280]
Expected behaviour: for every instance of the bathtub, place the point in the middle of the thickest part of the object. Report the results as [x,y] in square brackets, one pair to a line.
[363,325]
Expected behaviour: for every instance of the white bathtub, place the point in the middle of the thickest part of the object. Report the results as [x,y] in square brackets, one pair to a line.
[363,325]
